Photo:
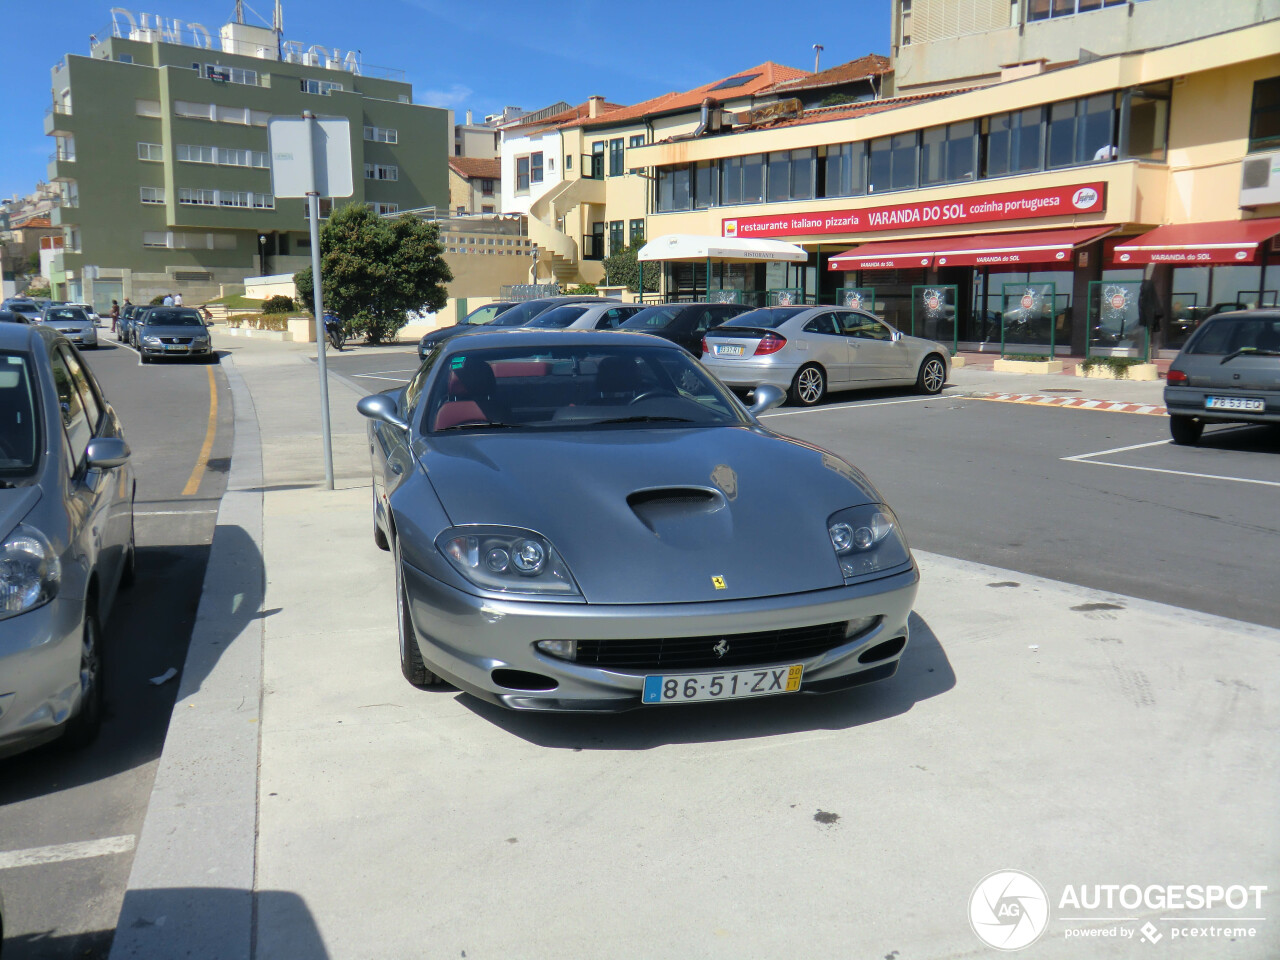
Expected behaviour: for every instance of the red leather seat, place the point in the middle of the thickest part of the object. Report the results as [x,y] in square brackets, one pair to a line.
[458,411]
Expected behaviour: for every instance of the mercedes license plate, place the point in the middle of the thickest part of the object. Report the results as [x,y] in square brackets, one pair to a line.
[1246,404]
[727,685]
[728,350]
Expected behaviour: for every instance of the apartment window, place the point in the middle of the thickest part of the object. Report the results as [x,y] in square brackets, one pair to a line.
[637,140]
[231,74]
[1145,113]
[615,236]
[65,148]
[803,164]
[259,118]
[892,163]
[1044,9]
[616,157]
[73,240]
[946,153]
[675,188]
[262,201]
[487,208]
[321,87]
[486,188]
[197,197]
[381,171]
[597,160]
[233,198]
[382,134]
[153,152]
[535,167]
[381,208]
[188,241]
[522,174]
[704,191]
[1013,142]
[636,232]
[146,108]
[846,170]
[192,153]
[124,58]
[568,161]
[742,179]
[152,194]
[193,111]
[1264,115]
[155,238]
[233,157]
[460,212]
[326,208]
[1081,131]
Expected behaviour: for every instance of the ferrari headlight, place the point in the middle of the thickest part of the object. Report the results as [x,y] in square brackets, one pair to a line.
[29,571]
[867,541]
[507,560]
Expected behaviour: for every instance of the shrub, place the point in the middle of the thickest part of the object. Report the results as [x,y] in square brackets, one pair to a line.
[583,290]
[279,304]
[1026,357]
[157,300]
[1119,365]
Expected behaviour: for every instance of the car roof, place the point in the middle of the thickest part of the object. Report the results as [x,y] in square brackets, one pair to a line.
[18,336]
[1267,313]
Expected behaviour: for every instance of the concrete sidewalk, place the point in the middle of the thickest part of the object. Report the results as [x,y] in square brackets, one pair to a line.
[1079,736]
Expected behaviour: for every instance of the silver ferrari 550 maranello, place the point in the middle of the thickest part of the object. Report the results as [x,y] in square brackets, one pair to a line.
[591,522]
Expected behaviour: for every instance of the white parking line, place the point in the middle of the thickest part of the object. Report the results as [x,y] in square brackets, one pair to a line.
[370,376]
[1179,473]
[1134,446]
[378,373]
[851,406]
[58,853]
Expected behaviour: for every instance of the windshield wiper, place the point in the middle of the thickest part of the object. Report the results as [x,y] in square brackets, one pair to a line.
[1250,351]
[647,420]
[478,425]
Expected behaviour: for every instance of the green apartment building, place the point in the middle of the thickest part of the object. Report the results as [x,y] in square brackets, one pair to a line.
[162,155]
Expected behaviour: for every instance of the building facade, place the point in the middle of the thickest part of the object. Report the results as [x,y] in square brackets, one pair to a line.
[161,152]
[475,186]
[1009,215]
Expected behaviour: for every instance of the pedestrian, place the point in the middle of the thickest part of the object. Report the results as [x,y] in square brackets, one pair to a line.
[177,299]
[168,300]
[115,314]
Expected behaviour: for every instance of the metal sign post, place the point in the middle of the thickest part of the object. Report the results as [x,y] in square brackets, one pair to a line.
[311,157]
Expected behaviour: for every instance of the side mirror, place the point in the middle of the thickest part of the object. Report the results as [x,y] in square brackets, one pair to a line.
[767,396]
[897,336]
[103,453]
[379,406]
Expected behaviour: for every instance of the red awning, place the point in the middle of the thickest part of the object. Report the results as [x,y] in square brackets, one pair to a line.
[984,249]
[1223,241]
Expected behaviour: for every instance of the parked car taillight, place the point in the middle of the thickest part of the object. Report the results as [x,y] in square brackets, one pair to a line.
[705,348]
[1177,378]
[770,344]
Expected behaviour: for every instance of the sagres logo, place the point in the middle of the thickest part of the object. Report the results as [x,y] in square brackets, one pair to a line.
[1008,910]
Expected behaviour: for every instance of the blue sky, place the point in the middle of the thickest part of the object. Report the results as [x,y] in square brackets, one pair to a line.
[481,55]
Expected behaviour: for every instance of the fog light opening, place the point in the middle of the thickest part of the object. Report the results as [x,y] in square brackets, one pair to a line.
[522,680]
[883,651]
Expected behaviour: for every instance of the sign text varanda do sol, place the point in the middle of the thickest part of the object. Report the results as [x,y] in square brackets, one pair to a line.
[1070,200]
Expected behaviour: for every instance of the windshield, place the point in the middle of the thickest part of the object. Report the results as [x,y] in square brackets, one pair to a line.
[71,314]
[173,318]
[766,318]
[574,387]
[19,438]
[26,309]
[558,318]
[521,313]
[1222,335]
[486,313]
[652,318]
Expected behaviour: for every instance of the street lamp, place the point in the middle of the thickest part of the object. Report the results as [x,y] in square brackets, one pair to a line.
[262,254]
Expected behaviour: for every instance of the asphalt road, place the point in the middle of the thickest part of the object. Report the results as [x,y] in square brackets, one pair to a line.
[993,483]
[67,906]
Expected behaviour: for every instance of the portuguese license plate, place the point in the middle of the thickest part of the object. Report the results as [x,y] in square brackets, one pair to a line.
[1246,404]
[727,685]
[728,350]
[175,348]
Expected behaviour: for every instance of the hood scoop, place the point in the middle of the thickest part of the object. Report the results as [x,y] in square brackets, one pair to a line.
[667,511]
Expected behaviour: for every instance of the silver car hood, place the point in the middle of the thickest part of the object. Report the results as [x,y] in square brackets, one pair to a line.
[651,516]
[15,504]
[181,330]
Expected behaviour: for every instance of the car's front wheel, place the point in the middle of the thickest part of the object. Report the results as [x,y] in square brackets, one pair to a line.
[83,728]
[1185,430]
[809,386]
[411,662]
[932,376]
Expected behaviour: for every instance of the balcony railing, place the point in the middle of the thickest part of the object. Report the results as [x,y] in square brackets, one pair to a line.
[62,108]
[63,156]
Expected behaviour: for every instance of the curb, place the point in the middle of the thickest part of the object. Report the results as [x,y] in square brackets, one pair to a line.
[1073,403]
[191,886]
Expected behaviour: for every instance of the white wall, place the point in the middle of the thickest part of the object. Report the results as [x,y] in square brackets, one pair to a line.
[552,168]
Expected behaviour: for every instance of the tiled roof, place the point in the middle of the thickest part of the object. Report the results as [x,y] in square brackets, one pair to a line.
[473,167]
[765,76]
[565,118]
[850,110]
[38,221]
[871,65]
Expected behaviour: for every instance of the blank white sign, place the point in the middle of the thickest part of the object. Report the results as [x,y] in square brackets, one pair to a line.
[290,142]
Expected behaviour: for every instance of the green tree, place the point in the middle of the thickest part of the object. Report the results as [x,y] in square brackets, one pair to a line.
[622,267]
[376,270]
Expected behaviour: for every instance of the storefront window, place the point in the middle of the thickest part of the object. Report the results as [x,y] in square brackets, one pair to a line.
[704,184]
[674,189]
[802,169]
[893,163]
[1147,122]
[1013,142]
[753,178]
[846,170]
[1081,131]
[779,176]
[1264,118]
[1188,304]
[946,153]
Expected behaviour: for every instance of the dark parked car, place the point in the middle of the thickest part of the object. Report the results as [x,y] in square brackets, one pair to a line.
[27,308]
[66,537]
[9,316]
[683,323]
[513,315]
[1227,372]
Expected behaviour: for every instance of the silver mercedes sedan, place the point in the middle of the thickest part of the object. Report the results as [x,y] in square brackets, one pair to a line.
[810,350]
[588,521]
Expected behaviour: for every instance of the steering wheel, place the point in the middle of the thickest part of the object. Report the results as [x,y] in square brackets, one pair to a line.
[648,394]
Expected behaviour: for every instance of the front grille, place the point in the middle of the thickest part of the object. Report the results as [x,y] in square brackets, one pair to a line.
[185,340]
[744,649]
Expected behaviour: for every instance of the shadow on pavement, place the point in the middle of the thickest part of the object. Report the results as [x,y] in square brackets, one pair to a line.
[1242,438]
[924,672]
[45,945]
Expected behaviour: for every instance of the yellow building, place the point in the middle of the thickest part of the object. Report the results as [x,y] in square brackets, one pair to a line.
[1009,213]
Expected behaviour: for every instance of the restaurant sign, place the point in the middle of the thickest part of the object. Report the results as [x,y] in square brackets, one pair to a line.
[1070,200]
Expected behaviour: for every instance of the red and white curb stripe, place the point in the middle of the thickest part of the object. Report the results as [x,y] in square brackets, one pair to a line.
[1075,403]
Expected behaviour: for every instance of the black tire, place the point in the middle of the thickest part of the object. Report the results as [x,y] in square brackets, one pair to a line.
[82,729]
[129,572]
[933,375]
[808,386]
[1185,430]
[143,358]
[411,663]
[379,538]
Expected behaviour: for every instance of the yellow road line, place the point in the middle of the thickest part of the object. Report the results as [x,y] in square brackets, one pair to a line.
[202,461]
